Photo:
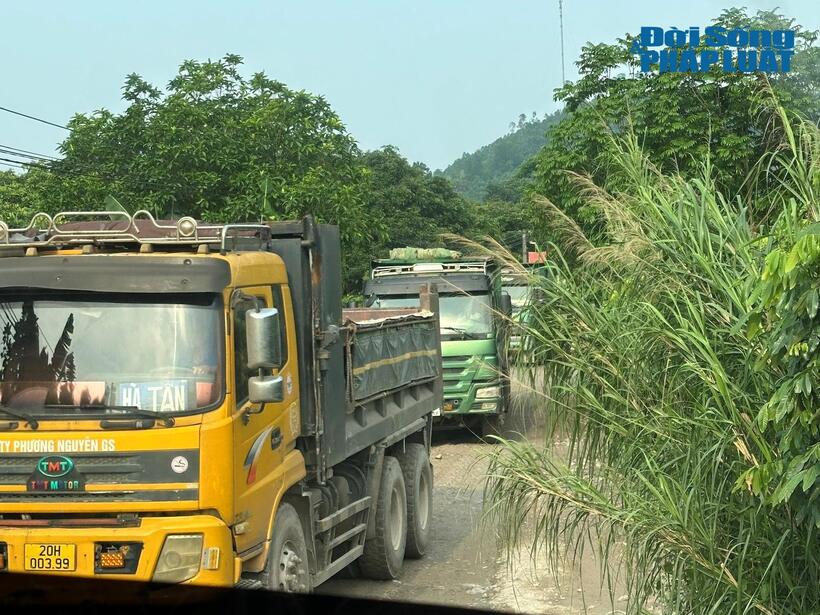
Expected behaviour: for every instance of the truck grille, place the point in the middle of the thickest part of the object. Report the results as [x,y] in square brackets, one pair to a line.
[141,469]
[453,368]
[97,470]
[450,371]
[457,359]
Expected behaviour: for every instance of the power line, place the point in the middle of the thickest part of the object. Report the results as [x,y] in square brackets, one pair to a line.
[20,162]
[44,166]
[24,153]
[36,119]
[15,165]
[25,158]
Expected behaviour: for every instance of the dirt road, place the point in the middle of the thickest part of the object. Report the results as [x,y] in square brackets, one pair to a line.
[466,566]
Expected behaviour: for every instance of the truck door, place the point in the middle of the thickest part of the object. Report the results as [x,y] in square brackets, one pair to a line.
[261,438]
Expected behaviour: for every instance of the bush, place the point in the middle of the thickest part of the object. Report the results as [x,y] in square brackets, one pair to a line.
[674,451]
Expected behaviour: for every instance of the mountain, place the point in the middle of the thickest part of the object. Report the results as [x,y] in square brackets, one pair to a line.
[472,174]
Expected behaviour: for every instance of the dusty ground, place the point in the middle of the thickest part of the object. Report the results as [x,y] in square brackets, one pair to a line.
[466,566]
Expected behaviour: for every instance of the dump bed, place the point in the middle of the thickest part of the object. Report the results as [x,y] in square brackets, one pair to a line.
[364,375]
[389,351]
[392,371]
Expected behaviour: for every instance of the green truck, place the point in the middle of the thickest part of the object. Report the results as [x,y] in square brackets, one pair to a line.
[473,327]
[516,283]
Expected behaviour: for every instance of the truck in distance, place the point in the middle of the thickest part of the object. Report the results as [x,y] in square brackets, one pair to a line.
[183,403]
[473,320]
[516,283]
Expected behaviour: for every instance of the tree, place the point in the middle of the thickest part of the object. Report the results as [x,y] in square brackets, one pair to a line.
[216,146]
[417,204]
[414,206]
[25,361]
[684,121]
[20,198]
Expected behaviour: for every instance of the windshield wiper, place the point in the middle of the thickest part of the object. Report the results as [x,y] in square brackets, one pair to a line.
[168,421]
[465,335]
[458,331]
[30,420]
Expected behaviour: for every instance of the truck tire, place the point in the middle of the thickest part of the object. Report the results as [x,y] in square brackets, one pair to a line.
[418,479]
[492,425]
[288,568]
[384,553]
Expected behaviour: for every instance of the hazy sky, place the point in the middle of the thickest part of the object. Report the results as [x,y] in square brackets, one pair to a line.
[434,77]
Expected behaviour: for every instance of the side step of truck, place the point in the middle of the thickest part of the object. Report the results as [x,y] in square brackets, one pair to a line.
[327,540]
[248,583]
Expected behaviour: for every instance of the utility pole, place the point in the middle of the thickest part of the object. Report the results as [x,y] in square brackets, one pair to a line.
[524,247]
[561,21]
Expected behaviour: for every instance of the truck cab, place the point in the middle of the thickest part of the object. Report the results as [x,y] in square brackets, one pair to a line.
[473,315]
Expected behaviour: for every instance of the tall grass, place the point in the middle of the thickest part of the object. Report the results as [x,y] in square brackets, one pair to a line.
[650,379]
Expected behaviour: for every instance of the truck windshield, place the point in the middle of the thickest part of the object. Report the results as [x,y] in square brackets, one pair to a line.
[64,352]
[469,316]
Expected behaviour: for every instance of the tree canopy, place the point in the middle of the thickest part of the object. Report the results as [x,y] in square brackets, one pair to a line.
[217,146]
[212,145]
[415,206]
[683,120]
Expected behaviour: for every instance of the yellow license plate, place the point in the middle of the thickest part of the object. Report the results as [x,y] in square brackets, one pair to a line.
[50,557]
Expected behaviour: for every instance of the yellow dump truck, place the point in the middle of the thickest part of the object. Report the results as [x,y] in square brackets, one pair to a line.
[188,403]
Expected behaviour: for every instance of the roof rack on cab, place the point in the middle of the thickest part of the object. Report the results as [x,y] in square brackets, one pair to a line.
[79,228]
[478,266]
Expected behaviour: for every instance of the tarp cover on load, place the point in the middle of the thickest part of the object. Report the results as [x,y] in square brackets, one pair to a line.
[392,352]
[422,254]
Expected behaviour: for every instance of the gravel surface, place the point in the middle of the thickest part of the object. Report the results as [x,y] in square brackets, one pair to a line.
[466,566]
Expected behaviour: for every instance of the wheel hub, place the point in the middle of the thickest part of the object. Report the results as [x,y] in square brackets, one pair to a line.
[291,570]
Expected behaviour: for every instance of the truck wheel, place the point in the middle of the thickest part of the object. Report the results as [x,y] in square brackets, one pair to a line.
[418,478]
[492,425]
[384,553]
[288,568]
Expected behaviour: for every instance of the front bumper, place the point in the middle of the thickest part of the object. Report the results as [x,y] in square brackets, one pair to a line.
[150,534]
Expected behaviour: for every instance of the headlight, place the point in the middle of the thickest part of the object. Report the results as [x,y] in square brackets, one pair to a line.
[179,559]
[488,392]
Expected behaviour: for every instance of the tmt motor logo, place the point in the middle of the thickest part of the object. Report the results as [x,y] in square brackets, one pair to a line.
[55,473]
[55,466]
[738,50]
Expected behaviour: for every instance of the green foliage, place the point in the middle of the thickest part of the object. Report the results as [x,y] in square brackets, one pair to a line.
[787,321]
[216,146]
[415,206]
[682,120]
[480,175]
[19,199]
[219,147]
[677,461]
[418,205]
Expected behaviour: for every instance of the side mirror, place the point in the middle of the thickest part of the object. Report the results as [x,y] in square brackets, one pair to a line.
[264,352]
[506,304]
[265,389]
[264,343]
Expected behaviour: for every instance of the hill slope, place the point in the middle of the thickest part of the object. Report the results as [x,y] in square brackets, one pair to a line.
[473,173]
